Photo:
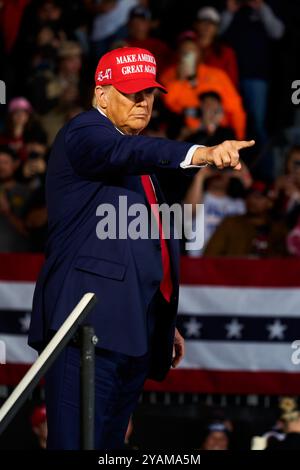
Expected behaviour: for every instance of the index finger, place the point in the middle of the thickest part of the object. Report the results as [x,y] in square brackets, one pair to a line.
[242,144]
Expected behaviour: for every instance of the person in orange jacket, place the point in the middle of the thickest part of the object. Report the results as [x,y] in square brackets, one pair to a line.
[189,78]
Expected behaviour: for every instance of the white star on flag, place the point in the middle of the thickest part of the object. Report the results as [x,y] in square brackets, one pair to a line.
[25,322]
[276,330]
[193,327]
[234,329]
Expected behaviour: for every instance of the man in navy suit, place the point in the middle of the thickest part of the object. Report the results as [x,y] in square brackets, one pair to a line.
[96,158]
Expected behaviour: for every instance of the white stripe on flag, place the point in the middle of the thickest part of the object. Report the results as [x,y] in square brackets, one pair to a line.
[17,349]
[223,355]
[16,295]
[267,302]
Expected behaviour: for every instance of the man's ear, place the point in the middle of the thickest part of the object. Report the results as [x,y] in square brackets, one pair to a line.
[101,96]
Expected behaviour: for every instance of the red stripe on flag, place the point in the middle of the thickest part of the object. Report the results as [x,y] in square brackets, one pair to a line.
[240,272]
[197,381]
[210,381]
[11,374]
[20,266]
[204,271]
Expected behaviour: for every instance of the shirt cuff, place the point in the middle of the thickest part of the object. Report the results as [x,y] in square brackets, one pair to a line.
[186,163]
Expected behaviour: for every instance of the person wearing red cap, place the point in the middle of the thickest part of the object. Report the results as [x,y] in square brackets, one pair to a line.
[97,159]
[38,420]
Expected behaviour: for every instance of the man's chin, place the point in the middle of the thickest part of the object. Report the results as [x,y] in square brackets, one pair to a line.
[139,124]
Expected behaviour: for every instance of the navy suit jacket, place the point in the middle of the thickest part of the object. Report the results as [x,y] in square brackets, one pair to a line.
[92,163]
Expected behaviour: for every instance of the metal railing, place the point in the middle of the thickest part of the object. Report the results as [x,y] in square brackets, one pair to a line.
[59,341]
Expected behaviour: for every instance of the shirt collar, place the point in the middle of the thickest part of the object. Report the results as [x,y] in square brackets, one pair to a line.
[103,114]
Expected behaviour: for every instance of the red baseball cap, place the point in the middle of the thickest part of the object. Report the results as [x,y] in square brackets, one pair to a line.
[128,69]
[38,416]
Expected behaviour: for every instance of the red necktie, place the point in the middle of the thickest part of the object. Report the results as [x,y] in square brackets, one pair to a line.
[166,282]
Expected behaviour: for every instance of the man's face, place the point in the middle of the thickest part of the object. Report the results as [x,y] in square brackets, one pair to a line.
[294,163]
[7,167]
[258,204]
[20,117]
[139,28]
[206,29]
[130,113]
[216,440]
[71,65]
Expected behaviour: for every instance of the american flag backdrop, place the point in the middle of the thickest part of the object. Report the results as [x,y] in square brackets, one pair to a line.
[239,319]
[18,273]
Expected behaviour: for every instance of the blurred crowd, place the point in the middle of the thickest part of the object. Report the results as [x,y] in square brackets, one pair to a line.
[216,432]
[227,66]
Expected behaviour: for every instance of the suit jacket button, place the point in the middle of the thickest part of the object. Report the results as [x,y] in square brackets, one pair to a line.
[164,162]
